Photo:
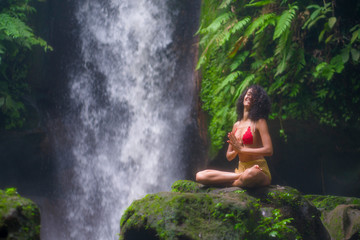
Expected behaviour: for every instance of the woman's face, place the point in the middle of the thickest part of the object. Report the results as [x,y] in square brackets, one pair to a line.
[248,98]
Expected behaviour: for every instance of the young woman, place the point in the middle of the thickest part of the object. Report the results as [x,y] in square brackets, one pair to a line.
[250,141]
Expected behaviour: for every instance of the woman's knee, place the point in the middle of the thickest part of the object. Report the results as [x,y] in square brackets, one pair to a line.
[255,177]
[251,173]
[200,175]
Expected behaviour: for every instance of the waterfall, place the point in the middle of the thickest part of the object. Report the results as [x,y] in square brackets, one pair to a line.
[129,111]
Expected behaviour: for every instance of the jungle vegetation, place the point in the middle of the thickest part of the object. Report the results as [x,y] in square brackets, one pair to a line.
[304,53]
[17,39]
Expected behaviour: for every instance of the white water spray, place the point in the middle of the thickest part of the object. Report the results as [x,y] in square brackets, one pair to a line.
[130,113]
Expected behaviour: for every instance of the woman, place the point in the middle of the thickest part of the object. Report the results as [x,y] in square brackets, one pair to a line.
[250,140]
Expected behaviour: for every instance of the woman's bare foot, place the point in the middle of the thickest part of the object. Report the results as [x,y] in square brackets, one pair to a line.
[257,167]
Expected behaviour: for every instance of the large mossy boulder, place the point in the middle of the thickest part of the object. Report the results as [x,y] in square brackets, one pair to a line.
[340,215]
[193,211]
[19,217]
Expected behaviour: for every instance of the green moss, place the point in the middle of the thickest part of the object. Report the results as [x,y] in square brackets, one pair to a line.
[330,202]
[192,211]
[19,217]
[185,186]
[292,198]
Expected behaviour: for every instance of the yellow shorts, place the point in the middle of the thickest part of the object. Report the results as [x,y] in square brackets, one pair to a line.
[261,162]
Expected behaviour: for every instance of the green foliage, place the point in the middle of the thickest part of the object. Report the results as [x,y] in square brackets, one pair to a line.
[275,227]
[17,38]
[304,53]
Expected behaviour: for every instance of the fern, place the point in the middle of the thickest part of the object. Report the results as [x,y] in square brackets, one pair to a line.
[218,22]
[285,59]
[257,23]
[228,80]
[284,22]
[259,3]
[283,43]
[225,4]
[239,60]
[240,25]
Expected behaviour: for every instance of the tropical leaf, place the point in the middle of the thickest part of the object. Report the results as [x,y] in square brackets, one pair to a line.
[225,4]
[355,54]
[14,27]
[332,22]
[356,33]
[238,60]
[240,25]
[218,22]
[284,22]
[239,44]
[228,80]
[257,23]
[259,3]
[283,43]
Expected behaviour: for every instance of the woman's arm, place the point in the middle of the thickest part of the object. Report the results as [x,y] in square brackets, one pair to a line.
[231,152]
[265,150]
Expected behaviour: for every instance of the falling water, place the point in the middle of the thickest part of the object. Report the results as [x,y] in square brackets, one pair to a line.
[129,113]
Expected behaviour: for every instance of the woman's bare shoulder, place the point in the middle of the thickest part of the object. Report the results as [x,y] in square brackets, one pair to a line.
[261,123]
[236,125]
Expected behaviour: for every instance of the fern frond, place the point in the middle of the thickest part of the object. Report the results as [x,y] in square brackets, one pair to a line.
[216,24]
[276,86]
[216,40]
[283,43]
[228,80]
[225,4]
[284,22]
[202,58]
[300,60]
[260,3]
[240,25]
[286,56]
[239,60]
[14,27]
[223,36]
[238,45]
[257,23]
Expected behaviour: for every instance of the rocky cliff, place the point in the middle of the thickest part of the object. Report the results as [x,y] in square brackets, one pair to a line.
[193,211]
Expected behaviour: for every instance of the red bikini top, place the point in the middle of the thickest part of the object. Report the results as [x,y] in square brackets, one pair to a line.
[248,137]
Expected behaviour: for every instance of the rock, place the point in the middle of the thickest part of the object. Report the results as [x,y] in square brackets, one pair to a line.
[193,211]
[340,215]
[19,217]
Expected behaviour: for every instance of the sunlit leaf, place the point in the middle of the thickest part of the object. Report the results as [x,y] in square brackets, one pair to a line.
[332,22]
[355,54]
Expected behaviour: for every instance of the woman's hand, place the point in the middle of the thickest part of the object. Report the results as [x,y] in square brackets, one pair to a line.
[235,143]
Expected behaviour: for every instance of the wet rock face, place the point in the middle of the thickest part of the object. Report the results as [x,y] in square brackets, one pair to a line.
[19,217]
[192,211]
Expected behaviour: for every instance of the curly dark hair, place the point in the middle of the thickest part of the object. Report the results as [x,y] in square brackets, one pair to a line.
[260,104]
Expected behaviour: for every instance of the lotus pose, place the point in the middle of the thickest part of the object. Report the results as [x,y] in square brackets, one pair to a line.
[250,141]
